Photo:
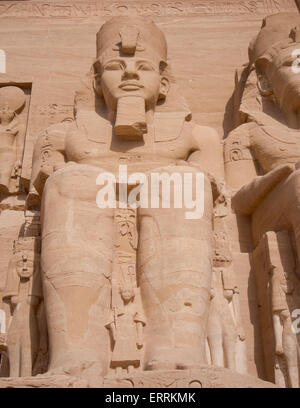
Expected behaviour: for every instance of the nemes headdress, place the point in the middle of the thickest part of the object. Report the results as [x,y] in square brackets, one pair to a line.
[127,36]
[276,30]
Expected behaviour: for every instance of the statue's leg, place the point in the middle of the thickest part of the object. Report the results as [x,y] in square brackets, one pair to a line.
[29,339]
[14,350]
[174,273]
[76,265]
[28,331]
[8,159]
[229,345]
[214,337]
[14,360]
[289,341]
[241,363]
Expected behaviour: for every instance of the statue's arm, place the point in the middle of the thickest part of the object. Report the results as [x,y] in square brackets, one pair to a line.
[20,143]
[240,165]
[207,154]
[278,331]
[241,171]
[238,316]
[48,154]
[246,200]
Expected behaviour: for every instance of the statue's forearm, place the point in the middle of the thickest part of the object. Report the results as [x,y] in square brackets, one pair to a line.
[19,146]
[249,197]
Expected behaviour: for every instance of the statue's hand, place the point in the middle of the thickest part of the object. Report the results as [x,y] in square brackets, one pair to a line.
[15,300]
[228,294]
[241,334]
[279,350]
[139,344]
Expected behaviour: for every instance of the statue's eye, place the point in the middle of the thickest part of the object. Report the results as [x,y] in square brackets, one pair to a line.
[145,66]
[288,62]
[113,66]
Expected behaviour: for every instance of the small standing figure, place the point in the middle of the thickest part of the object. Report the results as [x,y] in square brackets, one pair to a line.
[126,327]
[12,134]
[286,345]
[3,345]
[2,326]
[23,292]
[127,317]
[225,332]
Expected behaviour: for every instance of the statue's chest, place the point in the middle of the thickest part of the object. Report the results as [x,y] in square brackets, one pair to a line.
[273,146]
[165,138]
[8,134]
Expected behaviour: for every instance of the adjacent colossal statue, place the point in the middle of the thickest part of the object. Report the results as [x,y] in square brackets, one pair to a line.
[262,156]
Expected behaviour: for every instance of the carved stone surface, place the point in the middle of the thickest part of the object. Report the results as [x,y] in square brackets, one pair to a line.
[204,377]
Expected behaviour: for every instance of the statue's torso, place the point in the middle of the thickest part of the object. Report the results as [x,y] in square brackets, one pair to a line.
[8,136]
[107,151]
[272,146]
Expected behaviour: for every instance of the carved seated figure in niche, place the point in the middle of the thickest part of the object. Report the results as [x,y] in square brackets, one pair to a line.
[262,155]
[127,112]
[12,134]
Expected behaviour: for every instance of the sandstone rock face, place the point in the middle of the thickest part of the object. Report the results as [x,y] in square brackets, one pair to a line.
[149,166]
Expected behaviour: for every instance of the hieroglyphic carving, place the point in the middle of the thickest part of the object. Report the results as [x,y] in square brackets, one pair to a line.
[82,9]
[32,225]
[53,113]
[127,317]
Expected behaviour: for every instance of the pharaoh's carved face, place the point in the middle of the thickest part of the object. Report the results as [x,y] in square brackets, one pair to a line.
[285,83]
[131,76]
[127,294]
[25,266]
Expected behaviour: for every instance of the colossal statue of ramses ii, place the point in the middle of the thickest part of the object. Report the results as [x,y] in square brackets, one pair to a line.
[95,276]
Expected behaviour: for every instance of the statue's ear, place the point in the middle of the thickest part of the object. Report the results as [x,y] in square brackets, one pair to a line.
[164,88]
[262,65]
[164,81]
[95,71]
[264,86]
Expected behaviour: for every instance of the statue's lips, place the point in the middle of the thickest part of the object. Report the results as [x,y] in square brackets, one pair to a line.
[130,86]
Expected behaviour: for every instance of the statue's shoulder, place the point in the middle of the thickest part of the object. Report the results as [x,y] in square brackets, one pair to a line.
[205,134]
[55,134]
[61,128]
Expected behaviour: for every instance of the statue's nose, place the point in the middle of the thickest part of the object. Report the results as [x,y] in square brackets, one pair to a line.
[130,73]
